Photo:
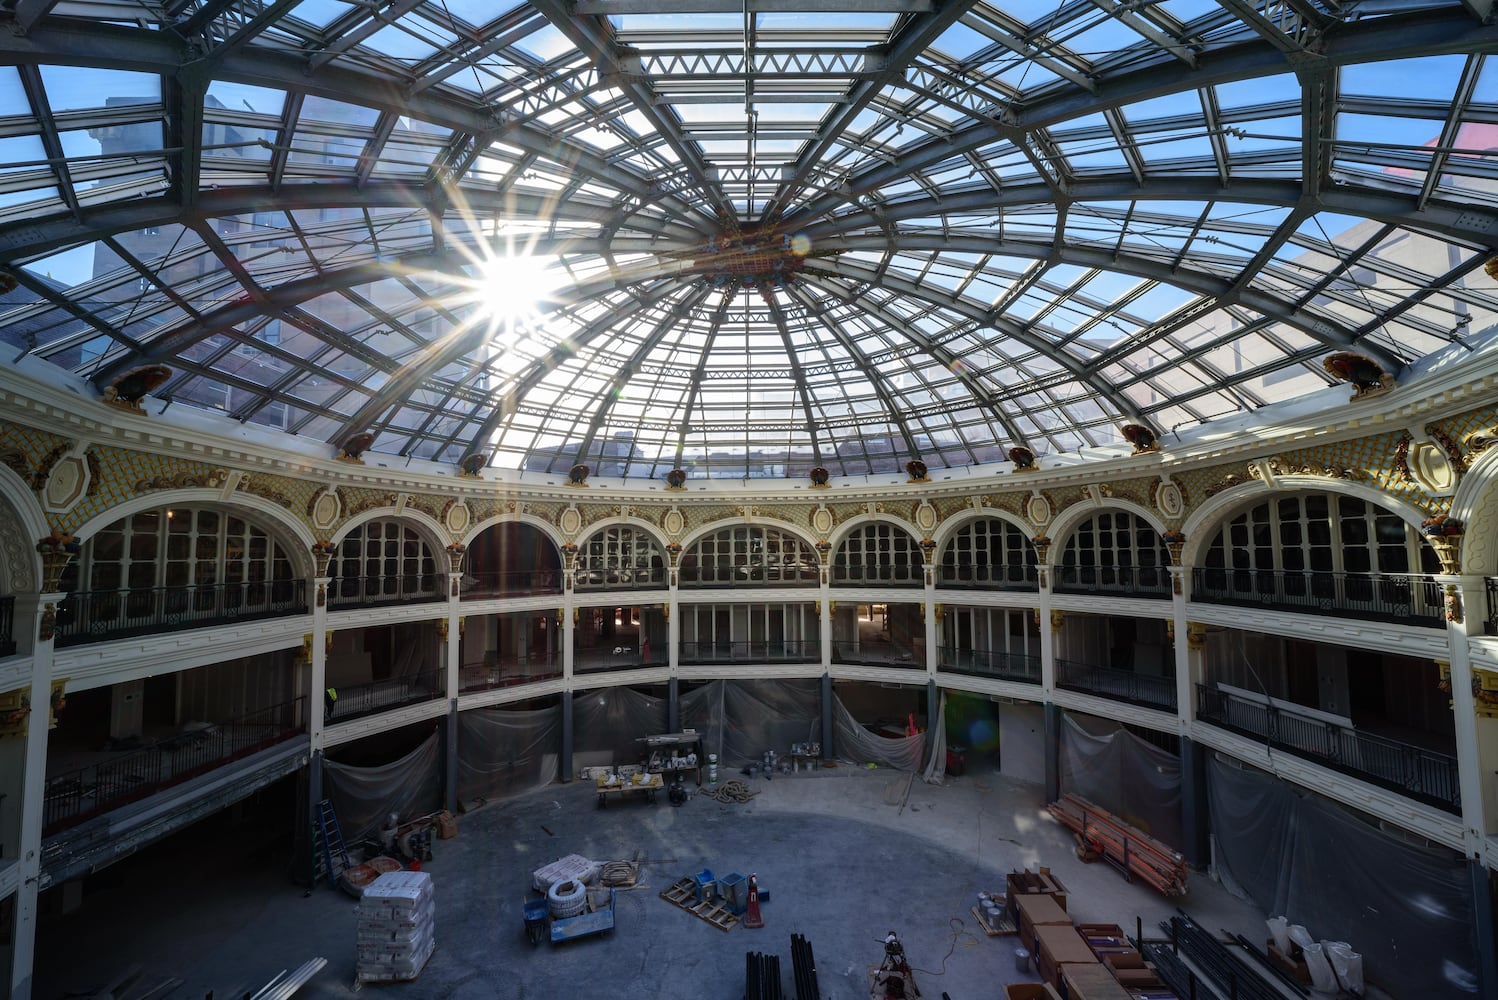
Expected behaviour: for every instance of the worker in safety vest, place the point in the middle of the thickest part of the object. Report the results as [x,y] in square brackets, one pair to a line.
[328,698]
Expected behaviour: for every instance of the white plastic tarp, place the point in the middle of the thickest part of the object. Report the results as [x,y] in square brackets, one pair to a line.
[936,767]
[612,719]
[859,745]
[1406,909]
[740,720]
[1117,771]
[504,751]
[363,796]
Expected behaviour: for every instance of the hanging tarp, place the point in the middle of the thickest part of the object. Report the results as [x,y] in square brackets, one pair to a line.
[740,720]
[1134,780]
[503,751]
[1408,910]
[608,722]
[936,767]
[855,743]
[363,797]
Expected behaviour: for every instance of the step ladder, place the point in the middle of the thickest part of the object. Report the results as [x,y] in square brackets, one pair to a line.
[329,855]
[683,893]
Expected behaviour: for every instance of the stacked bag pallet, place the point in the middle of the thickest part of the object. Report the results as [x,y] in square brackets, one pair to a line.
[396,932]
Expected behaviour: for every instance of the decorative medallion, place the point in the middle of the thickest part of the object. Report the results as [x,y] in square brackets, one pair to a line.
[925,516]
[456,516]
[821,520]
[1038,510]
[570,520]
[66,485]
[1168,500]
[674,522]
[1431,468]
[324,509]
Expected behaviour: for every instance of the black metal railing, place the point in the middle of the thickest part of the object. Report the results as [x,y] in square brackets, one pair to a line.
[512,583]
[1427,775]
[1137,581]
[995,663]
[358,700]
[97,615]
[988,577]
[648,578]
[82,793]
[904,575]
[722,575]
[1490,623]
[1400,597]
[510,673]
[1149,690]
[879,654]
[8,625]
[381,591]
[759,651]
[627,655]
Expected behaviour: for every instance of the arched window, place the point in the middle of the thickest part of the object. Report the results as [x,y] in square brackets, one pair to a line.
[750,554]
[1116,551]
[878,553]
[990,553]
[384,562]
[620,557]
[176,567]
[1324,553]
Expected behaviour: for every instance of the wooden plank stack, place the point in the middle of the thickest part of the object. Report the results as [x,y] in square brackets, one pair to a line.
[1133,852]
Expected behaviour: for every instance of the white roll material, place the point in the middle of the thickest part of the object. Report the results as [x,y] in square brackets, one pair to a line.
[567,898]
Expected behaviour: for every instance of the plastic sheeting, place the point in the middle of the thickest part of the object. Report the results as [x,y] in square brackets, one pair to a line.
[1407,909]
[857,744]
[503,751]
[611,720]
[740,720]
[363,796]
[936,767]
[1136,781]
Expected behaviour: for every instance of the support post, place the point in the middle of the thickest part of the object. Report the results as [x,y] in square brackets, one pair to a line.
[826,716]
[564,764]
[1195,820]
[450,784]
[673,705]
[1052,751]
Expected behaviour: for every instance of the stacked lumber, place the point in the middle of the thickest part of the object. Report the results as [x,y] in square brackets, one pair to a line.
[1133,852]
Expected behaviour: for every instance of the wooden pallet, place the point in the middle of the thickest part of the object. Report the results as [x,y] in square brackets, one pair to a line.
[683,893]
[1000,928]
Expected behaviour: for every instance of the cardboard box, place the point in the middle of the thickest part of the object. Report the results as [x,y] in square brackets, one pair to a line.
[447,825]
[1038,911]
[1041,883]
[1296,968]
[1057,947]
[1032,991]
[1091,982]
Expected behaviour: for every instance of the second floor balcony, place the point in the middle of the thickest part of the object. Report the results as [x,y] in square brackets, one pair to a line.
[95,616]
[1419,772]
[1148,690]
[995,663]
[357,700]
[1408,598]
[1123,581]
[751,651]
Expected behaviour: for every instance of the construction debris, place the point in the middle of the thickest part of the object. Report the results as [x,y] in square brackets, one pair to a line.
[731,791]
[1121,845]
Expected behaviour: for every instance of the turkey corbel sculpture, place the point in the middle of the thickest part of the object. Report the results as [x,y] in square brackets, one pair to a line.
[578,475]
[470,465]
[353,448]
[819,477]
[1023,459]
[1366,375]
[129,389]
[1141,437]
[918,471]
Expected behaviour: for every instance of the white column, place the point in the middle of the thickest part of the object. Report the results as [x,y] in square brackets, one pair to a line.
[317,664]
[1187,660]
[1048,637]
[1465,602]
[451,653]
[39,615]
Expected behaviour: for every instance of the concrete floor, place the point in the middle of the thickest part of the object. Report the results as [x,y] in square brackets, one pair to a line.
[842,862]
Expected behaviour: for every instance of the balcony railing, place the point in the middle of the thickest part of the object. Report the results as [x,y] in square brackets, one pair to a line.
[381,591]
[8,625]
[995,663]
[94,616]
[358,700]
[1490,623]
[503,674]
[1136,581]
[513,583]
[82,793]
[699,576]
[879,654]
[1427,775]
[772,651]
[989,577]
[621,656]
[649,578]
[903,575]
[1149,690]
[1398,597]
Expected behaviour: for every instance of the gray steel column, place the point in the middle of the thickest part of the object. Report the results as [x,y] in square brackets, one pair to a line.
[826,716]
[450,801]
[1484,928]
[314,781]
[1196,824]
[673,706]
[564,765]
[933,715]
[1052,752]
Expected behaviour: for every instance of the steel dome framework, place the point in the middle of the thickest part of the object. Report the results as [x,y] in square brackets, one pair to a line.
[778,233]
